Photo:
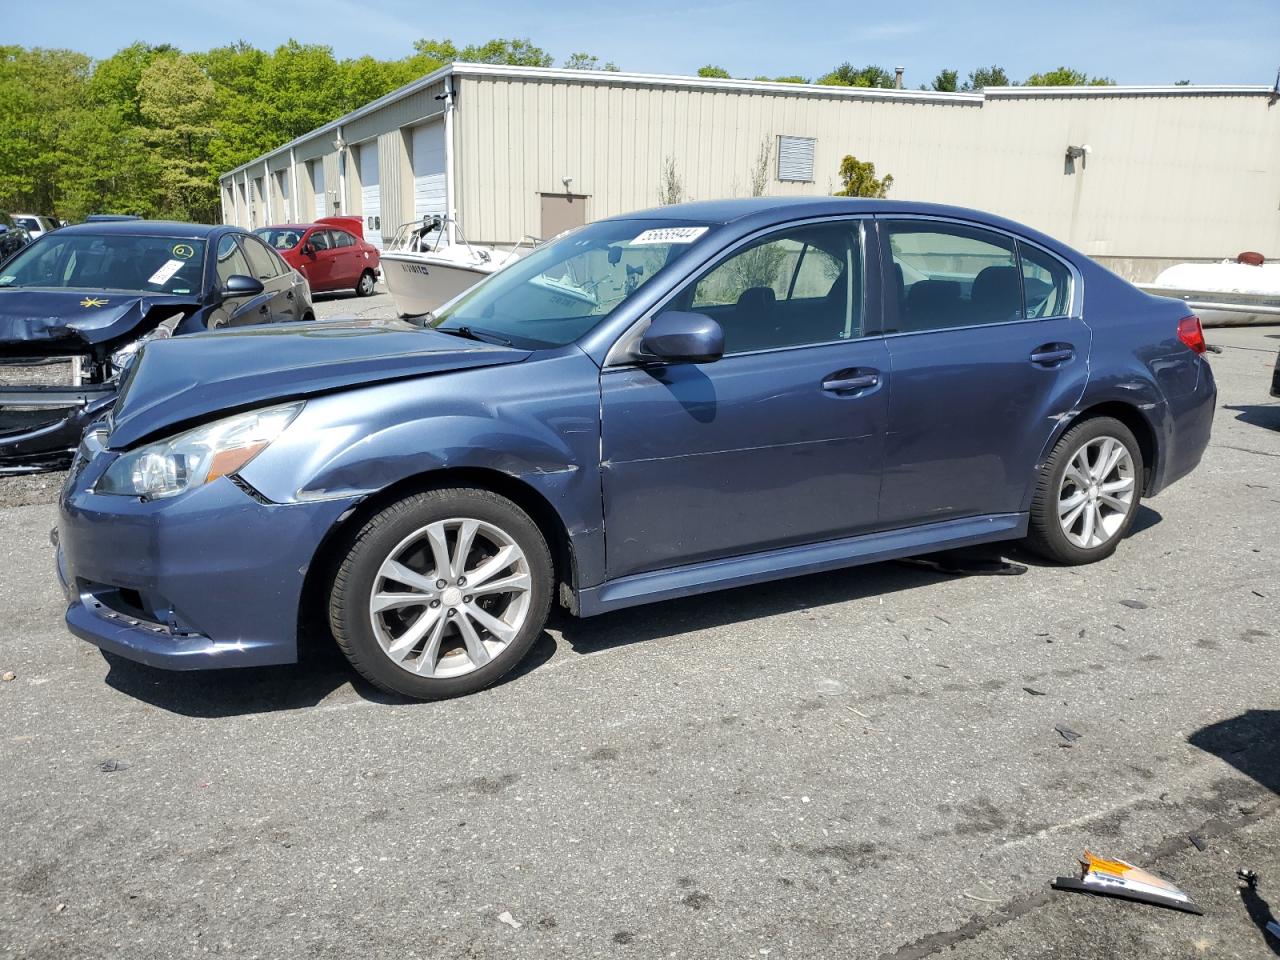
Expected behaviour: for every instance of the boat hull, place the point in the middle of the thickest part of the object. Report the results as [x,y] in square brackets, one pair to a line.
[1222,309]
[418,285]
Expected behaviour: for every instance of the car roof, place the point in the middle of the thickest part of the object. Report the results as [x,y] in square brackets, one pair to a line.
[755,212]
[302,226]
[152,228]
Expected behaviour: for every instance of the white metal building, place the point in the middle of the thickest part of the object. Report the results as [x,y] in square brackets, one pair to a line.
[1172,173]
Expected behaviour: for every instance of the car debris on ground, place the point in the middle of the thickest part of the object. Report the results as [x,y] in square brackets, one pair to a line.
[1117,878]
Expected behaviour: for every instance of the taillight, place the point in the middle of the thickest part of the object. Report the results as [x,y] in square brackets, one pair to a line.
[1189,332]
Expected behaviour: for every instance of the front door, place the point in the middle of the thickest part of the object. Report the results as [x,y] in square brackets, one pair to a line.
[987,355]
[778,443]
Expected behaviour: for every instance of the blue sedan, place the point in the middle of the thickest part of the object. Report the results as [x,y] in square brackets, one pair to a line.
[653,406]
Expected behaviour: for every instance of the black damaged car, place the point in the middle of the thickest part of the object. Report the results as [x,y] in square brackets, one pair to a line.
[77,304]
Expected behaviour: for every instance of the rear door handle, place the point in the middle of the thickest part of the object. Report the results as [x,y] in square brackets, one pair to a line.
[860,382]
[1052,354]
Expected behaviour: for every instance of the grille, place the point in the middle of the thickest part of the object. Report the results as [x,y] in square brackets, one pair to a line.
[56,372]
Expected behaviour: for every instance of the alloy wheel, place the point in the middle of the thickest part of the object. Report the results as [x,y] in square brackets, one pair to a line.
[450,597]
[1097,492]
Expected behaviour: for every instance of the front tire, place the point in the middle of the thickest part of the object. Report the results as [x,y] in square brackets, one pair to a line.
[442,593]
[1088,493]
[366,284]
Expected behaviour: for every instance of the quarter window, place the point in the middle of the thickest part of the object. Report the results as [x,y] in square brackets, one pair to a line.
[949,275]
[797,287]
[1046,283]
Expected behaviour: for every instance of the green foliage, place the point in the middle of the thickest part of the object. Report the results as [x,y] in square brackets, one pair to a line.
[148,129]
[587,61]
[987,77]
[859,179]
[948,81]
[717,73]
[847,75]
[1066,77]
[790,78]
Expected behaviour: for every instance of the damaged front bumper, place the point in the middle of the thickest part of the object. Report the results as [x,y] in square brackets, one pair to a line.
[40,424]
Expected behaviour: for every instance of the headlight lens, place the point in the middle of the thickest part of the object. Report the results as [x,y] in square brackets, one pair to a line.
[125,355]
[194,458]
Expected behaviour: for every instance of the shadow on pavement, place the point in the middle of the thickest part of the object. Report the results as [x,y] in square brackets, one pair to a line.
[1257,414]
[1260,913]
[1249,742]
[251,690]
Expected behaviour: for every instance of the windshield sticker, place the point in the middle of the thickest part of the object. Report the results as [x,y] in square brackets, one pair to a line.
[166,272]
[669,235]
[183,251]
[7,279]
[89,302]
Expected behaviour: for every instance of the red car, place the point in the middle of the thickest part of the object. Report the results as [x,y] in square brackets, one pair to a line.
[331,253]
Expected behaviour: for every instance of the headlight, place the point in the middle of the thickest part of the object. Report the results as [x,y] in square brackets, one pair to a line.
[124,356]
[190,459]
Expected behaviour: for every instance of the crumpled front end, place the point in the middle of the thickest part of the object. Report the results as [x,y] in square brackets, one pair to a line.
[59,374]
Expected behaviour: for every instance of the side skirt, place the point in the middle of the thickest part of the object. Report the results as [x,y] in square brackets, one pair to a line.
[696,578]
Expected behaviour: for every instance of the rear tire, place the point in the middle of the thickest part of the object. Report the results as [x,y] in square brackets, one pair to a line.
[1087,494]
[366,285]
[404,631]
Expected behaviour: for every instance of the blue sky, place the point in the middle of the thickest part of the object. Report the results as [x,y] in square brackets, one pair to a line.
[1218,41]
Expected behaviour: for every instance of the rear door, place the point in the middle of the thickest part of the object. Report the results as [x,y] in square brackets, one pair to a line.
[348,261]
[981,374]
[778,443]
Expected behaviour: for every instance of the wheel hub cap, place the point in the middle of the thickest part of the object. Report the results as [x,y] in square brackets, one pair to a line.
[451,597]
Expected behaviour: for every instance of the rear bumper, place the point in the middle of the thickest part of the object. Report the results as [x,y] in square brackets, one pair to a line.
[208,579]
[1185,428]
[40,427]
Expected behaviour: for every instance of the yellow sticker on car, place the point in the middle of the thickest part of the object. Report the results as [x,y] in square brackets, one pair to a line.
[93,302]
[183,251]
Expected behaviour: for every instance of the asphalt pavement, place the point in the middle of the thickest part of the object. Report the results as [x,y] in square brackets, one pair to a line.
[859,764]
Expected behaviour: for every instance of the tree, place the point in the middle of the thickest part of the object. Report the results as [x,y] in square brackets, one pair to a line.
[1066,77]
[948,81]
[714,72]
[987,77]
[587,61]
[847,75]
[859,179]
[790,78]
[178,102]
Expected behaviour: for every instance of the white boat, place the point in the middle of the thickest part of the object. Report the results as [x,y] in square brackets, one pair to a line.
[1226,294]
[423,273]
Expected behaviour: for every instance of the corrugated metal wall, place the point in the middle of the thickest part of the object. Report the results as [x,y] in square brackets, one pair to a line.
[1169,176]
[1179,176]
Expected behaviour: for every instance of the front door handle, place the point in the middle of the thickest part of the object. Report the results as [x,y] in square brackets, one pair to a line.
[845,384]
[1052,354]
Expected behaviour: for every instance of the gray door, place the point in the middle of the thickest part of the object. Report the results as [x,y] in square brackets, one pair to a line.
[561,212]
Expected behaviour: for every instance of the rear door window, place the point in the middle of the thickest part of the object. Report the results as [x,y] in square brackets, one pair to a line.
[951,275]
[1046,283]
[342,239]
[266,264]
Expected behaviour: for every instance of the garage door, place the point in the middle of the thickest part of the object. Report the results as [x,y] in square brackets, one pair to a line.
[428,170]
[370,193]
[317,184]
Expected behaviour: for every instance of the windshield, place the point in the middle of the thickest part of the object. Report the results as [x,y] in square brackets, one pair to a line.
[282,238]
[564,289]
[91,262]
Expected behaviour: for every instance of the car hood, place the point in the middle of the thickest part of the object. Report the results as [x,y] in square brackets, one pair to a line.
[60,322]
[202,376]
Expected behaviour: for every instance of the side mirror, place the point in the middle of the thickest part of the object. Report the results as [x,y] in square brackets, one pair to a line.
[238,285]
[676,336]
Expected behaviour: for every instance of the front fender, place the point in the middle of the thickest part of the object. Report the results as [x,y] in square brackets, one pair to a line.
[537,424]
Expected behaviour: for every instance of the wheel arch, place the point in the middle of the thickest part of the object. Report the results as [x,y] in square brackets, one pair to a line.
[313,625]
[1133,418]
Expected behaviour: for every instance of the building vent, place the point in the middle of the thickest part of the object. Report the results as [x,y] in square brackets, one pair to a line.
[795,159]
